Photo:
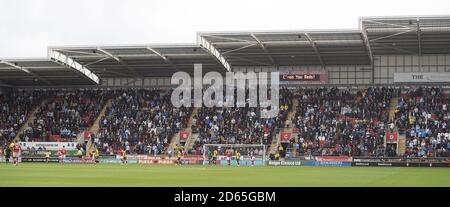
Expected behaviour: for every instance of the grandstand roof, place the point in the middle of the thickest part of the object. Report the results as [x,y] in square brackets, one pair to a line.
[407,35]
[38,71]
[281,48]
[141,60]
[220,51]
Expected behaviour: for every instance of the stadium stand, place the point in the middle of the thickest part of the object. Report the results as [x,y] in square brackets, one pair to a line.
[353,87]
[65,115]
[422,116]
[15,109]
[328,121]
[237,125]
[233,126]
[335,121]
[141,121]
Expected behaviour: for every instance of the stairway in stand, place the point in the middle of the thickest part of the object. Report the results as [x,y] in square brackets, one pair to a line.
[192,137]
[392,108]
[96,126]
[191,141]
[401,148]
[30,119]
[287,127]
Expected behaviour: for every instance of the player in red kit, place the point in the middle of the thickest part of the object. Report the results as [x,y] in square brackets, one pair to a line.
[16,153]
[229,153]
[62,154]
[123,156]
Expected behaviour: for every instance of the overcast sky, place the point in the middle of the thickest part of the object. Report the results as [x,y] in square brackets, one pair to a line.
[28,27]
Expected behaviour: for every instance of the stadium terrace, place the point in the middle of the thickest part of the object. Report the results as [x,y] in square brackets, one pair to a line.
[373,96]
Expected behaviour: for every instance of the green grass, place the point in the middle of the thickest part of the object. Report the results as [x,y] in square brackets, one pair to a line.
[41,174]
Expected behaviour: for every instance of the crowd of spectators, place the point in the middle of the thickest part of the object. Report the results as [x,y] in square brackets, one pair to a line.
[239,125]
[141,121]
[423,116]
[327,121]
[332,121]
[15,109]
[65,115]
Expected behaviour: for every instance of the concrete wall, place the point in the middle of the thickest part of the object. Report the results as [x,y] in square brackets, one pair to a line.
[386,66]
[383,71]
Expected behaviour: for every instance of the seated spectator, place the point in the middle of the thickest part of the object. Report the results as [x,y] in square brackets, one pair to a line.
[15,108]
[66,115]
[138,118]
[421,116]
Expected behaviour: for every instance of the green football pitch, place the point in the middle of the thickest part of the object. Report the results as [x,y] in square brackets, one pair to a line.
[41,174]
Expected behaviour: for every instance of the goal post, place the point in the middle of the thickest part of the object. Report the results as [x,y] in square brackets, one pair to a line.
[228,151]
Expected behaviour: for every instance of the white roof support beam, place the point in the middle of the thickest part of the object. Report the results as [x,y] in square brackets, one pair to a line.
[392,35]
[264,48]
[15,66]
[74,65]
[388,24]
[367,45]
[121,62]
[316,50]
[26,71]
[212,50]
[99,55]
[302,42]
[37,67]
[163,57]
[97,61]
[228,38]
[422,27]
[419,42]
[109,54]
[418,36]
[240,48]
[81,53]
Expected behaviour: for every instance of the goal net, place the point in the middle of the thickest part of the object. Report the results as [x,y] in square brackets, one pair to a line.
[234,154]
